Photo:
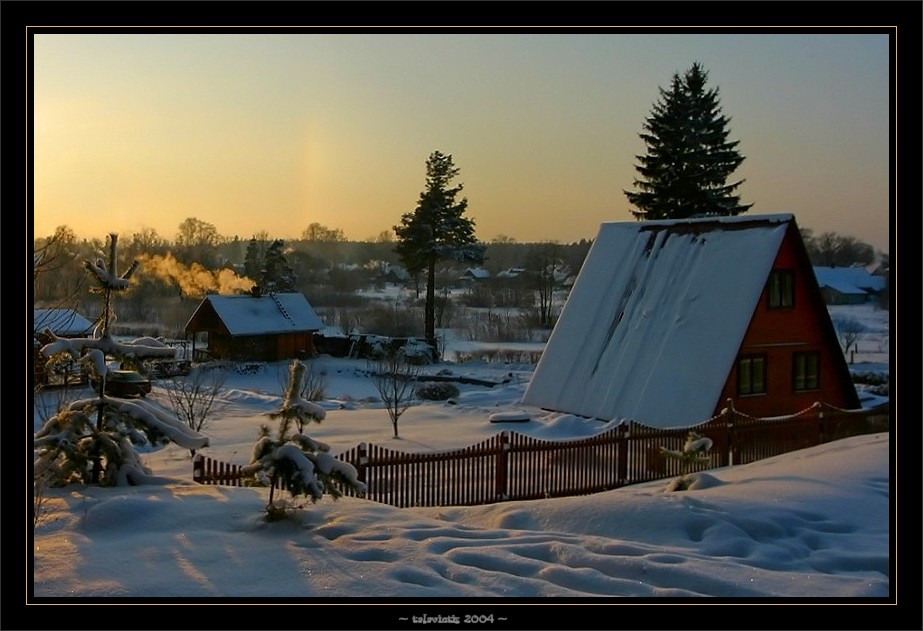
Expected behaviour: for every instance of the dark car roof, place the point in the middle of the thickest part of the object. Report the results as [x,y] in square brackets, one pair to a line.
[126,375]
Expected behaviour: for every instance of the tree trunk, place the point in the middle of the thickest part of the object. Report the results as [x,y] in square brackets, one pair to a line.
[97,459]
[429,329]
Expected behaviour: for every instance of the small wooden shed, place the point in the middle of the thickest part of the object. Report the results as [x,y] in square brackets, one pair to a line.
[248,327]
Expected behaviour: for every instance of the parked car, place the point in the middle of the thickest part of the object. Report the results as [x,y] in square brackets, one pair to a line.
[126,383]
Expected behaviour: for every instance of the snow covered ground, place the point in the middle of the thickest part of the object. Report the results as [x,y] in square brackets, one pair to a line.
[810,525]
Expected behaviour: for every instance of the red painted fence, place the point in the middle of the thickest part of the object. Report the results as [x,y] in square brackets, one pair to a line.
[513,466]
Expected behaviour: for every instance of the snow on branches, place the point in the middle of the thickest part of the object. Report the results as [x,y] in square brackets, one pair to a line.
[695,451]
[77,347]
[294,461]
[96,438]
[93,440]
[294,406]
[107,276]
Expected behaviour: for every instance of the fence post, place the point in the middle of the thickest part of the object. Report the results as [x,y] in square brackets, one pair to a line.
[503,447]
[362,465]
[729,423]
[622,437]
[197,468]
[821,429]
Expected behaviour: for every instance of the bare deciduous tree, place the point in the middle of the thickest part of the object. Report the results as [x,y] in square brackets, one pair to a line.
[41,508]
[194,398]
[848,330]
[394,378]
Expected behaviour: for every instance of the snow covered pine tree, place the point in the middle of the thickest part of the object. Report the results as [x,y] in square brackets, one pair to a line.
[73,447]
[295,461]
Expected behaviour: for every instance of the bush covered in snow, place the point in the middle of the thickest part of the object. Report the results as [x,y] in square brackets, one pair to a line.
[437,391]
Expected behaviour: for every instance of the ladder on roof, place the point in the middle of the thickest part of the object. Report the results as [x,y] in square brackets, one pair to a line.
[282,310]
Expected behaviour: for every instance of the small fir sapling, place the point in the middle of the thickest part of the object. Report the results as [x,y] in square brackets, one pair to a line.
[695,451]
[296,462]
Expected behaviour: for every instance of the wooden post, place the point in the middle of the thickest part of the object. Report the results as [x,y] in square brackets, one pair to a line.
[622,436]
[502,473]
[197,468]
[821,430]
[363,463]
[729,423]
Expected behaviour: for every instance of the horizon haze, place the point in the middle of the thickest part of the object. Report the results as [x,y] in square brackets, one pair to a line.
[274,131]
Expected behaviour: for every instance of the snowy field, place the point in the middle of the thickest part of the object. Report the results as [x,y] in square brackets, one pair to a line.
[809,525]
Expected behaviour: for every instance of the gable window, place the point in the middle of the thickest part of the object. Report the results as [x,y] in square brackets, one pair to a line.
[781,289]
[806,371]
[751,375]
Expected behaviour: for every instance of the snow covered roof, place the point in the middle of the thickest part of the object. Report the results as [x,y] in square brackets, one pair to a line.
[513,272]
[655,319]
[269,313]
[397,271]
[477,272]
[63,322]
[849,280]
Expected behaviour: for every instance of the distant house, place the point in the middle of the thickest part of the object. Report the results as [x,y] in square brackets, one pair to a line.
[848,285]
[513,272]
[396,274]
[267,327]
[667,320]
[475,274]
[62,322]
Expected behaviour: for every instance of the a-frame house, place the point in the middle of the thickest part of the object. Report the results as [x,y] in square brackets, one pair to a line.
[669,319]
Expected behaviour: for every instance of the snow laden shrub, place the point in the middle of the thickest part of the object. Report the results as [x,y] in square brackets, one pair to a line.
[437,391]
[694,452]
[94,440]
[292,461]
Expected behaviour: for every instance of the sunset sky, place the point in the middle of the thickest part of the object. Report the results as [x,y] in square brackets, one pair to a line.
[275,131]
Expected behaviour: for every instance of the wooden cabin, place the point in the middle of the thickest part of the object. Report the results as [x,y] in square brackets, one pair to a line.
[266,327]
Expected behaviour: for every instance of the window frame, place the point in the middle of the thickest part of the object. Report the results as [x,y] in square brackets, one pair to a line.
[748,360]
[779,287]
[800,364]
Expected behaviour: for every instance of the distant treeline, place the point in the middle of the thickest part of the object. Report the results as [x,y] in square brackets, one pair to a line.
[330,270]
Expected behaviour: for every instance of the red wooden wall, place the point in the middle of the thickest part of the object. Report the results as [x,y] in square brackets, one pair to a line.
[780,333]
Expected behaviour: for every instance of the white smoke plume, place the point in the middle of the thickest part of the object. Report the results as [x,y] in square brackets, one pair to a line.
[194,281]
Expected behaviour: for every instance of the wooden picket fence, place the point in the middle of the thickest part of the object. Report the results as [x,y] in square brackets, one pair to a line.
[512,466]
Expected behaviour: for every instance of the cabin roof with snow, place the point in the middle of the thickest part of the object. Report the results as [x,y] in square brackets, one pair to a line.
[260,315]
[849,280]
[513,272]
[476,273]
[62,322]
[656,318]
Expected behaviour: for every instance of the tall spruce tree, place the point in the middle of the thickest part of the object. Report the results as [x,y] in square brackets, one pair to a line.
[277,275]
[253,259]
[689,158]
[437,230]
